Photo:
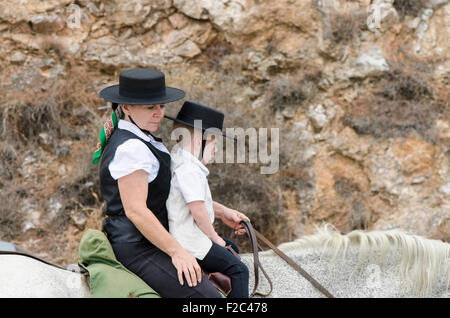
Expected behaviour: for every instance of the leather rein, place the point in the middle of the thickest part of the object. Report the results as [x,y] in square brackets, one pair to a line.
[254,235]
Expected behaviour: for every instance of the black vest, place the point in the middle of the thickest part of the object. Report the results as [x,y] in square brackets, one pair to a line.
[116,225]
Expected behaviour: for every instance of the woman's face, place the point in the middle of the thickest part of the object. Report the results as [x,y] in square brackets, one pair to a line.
[145,116]
[210,149]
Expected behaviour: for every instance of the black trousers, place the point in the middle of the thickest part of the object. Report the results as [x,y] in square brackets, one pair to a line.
[155,268]
[221,260]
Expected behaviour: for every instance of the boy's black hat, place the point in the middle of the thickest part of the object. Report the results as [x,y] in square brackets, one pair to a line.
[210,117]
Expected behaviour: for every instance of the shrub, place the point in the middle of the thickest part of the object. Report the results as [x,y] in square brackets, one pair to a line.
[214,55]
[10,217]
[403,101]
[293,90]
[408,7]
[64,111]
[345,26]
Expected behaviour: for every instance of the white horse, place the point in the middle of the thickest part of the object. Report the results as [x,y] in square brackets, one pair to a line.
[359,264]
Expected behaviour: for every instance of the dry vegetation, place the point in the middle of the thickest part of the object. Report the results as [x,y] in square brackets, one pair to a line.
[343,24]
[403,101]
[293,91]
[41,129]
[408,7]
[346,25]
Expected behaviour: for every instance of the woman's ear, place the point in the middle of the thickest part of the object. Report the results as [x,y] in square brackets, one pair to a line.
[126,109]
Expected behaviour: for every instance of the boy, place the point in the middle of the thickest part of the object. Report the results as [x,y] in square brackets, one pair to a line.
[189,205]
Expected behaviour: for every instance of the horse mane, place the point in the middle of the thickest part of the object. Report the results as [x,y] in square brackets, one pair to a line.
[423,261]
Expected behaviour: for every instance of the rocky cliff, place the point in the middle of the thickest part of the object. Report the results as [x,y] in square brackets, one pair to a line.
[359,91]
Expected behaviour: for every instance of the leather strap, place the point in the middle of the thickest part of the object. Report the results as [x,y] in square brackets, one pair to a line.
[256,264]
[252,233]
[81,271]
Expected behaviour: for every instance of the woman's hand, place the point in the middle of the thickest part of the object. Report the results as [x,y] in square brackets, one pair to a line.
[186,264]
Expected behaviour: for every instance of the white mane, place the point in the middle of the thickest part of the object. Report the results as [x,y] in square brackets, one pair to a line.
[423,263]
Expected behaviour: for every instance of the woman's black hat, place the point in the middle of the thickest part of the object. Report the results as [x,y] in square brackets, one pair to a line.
[141,86]
[190,112]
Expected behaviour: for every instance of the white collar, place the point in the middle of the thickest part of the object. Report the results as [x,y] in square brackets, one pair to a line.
[187,155]
[126,125]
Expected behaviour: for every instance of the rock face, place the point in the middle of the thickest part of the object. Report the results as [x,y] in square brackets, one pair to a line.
[358,90]
[371,63]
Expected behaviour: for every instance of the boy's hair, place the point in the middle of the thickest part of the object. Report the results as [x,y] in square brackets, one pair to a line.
[180,125]
[190,128]
[177,125]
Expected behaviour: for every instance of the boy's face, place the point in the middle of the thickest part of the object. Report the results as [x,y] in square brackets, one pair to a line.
[210,149]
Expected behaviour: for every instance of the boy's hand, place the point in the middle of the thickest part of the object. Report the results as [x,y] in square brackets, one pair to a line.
[218,240]
[233,219]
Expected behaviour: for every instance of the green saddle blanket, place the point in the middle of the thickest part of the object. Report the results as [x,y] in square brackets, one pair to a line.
[108,278]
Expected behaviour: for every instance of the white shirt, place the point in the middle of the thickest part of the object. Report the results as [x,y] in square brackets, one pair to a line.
[134,155]
[188,184]
[190,179]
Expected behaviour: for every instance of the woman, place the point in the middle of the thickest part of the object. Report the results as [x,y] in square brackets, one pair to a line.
[135,183]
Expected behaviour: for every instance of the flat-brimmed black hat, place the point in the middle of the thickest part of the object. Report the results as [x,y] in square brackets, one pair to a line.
[141,86]
[210,117]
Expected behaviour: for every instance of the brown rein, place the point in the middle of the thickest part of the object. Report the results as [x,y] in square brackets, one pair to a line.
[253,235]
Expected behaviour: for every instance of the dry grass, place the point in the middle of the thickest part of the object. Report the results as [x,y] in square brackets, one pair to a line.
[215,54]
[66,105]
[402,102]
[346,26]
[245,190]
[9,166]
[293,91]
[10,217]
[64,111]
[286,92]
[409,7]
